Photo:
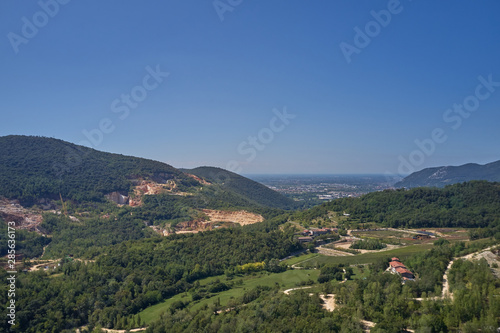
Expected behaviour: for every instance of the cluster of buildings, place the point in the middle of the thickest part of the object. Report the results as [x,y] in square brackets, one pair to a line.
[309,234]
[397,267]
[318,232]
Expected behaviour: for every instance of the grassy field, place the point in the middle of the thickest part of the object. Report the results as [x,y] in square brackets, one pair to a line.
[367,258]
[381,234]
[300,258]
[286,280]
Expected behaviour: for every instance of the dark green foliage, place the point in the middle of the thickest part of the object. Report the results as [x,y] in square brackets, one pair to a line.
[368,244]
[32,168]
[474,204]
[158,209]
[476,293]
[331,272]
[255,192]
[87,239]
[266,310]
[441,242]
[133,275]
[30,244]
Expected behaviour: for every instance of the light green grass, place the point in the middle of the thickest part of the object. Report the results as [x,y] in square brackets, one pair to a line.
[286,280]
[300,258]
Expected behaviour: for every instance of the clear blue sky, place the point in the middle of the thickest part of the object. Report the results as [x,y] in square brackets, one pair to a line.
[74,70]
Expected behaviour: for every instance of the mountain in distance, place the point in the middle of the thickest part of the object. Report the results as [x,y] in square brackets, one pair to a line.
[447,175]
[34,168]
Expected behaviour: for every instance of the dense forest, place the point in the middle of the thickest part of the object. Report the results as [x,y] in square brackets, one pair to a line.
[474,204]
[135,274]
[34,168]
[109,265]
[30,244]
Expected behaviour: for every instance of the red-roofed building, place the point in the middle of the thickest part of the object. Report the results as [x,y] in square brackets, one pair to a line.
[395,264]
[397,267]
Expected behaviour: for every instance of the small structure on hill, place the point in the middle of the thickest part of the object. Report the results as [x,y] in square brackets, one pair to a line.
[316,232]
[305,239]
[397,267]
[421,237]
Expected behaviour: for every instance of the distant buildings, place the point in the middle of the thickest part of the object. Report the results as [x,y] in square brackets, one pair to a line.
[421,237]
[311,234]
[305,239]
[318,232]
[397,267]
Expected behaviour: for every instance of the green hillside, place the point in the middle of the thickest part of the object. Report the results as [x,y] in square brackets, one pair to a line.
[473,204]
[255,192]
[442,176]
[32,168]
[37,167]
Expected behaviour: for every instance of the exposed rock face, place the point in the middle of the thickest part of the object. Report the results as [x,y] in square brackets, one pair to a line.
[118,198]
[200,180]
[193,226]
[12,211]
[241,216]
[214,219]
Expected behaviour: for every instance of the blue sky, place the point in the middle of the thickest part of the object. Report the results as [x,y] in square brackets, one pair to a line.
[258,86]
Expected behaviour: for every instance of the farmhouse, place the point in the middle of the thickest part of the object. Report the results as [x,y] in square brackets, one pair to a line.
[305,239]
[397,267]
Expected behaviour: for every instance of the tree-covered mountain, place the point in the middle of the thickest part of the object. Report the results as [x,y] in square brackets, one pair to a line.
[38,167]
[447,175]
[242,186]
[34,168]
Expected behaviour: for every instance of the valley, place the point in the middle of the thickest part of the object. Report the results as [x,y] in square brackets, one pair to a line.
[148,247]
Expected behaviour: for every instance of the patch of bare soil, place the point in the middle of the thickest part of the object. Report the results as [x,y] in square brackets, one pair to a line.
[200,180]
[241,217]
[215,219]
[145,187]
[193,226]
[12,211]
[329,302]
[333,253]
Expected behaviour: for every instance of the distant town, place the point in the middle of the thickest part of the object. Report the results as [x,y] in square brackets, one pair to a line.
[314,189]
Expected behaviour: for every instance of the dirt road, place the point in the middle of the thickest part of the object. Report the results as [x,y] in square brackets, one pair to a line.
[287,292]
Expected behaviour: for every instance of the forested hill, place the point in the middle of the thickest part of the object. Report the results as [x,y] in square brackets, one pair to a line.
[448,175]
[252,190]
[472,204]
[39,167]
[32,168]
